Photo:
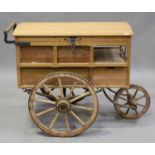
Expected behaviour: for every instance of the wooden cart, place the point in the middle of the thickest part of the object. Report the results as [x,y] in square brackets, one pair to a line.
[64,65]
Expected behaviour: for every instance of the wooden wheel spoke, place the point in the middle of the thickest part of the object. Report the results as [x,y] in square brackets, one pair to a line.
[45,111]
[77,117]
[140,97]
[64,91]
[40,94]
[50,91]
[124,105]
[73,94]
[123,94]
[66,122]
[127,111]
[71,90]
[54,120]
[136,112]
[82,107]
[80,97]
[45,101]
[127,92]
[122,98]
[138,104]
[135,93]
[61,87]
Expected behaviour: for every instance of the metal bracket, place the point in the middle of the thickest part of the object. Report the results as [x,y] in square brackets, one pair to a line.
[6,31]
[27,90]
[22,43]
[72,40]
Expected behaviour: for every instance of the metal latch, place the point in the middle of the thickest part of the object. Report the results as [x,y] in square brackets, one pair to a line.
[73,43]
[72,40]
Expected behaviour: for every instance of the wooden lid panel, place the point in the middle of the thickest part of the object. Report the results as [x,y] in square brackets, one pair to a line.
[74,29]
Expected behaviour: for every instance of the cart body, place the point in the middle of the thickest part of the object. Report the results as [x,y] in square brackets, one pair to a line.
[100,52]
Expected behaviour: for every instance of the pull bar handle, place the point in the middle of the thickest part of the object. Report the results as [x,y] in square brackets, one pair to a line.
[7,30]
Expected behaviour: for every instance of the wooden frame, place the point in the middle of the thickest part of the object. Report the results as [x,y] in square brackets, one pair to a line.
[50,50]
[91,42]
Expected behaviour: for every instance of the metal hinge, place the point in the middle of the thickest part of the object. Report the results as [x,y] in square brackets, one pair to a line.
[22,43]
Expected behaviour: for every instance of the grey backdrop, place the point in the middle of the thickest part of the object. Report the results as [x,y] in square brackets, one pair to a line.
[15,123]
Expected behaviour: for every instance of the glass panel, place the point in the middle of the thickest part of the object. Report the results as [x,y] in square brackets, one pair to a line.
[113,54]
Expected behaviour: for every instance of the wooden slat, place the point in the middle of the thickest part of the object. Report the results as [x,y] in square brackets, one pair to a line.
[81,41]
[73,65]
[22,65]
[55,53]
[52,65]
[110,64]
[18,66]
[95,86]
[128,61]
[61,65]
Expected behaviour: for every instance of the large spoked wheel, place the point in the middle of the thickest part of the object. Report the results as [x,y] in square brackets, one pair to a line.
[131,103]
[52,104]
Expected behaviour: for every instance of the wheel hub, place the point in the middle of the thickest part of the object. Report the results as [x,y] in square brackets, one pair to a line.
[63,106]
[132,102]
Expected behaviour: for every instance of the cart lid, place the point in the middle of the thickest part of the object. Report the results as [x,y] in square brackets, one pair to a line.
[74,29]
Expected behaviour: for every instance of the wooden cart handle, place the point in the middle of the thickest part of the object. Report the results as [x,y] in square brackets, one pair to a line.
[7,30]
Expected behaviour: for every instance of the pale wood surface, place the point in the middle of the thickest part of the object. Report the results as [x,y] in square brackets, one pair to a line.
[36,54]
[74,29]
[49,54]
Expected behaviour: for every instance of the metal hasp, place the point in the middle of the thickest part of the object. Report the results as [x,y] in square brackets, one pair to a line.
[73,41]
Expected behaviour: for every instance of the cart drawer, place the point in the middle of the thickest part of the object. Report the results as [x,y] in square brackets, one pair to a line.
[110,76]
[68,55]
[31,76]
[31,54]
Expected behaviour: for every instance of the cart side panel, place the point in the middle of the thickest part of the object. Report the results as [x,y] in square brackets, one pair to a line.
[31,76]
[110,76]
[36,54]
[68,55]
[49,55]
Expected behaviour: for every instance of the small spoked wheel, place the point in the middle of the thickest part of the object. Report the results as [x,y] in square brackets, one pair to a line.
[131,103]
[52,104]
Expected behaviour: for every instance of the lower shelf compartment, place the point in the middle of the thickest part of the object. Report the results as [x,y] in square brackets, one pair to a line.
[110,76]
[31,76]
[102,76]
